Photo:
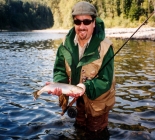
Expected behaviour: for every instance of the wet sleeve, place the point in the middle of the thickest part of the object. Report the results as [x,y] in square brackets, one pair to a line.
[101,84]
[59,71]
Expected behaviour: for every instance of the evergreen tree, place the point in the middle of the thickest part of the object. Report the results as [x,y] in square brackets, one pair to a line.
[42,14]
[118,8]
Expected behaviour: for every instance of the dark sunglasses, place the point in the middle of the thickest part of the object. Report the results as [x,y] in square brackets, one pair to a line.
[85,21]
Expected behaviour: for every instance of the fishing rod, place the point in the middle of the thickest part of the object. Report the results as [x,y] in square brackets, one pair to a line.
[125,43]
[71,111]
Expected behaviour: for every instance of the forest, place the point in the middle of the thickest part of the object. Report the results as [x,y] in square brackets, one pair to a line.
[22,15]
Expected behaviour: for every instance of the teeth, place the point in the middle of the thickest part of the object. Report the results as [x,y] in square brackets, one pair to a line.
[82,31]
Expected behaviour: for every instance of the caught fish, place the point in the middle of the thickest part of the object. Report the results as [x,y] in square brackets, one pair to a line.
[66,88]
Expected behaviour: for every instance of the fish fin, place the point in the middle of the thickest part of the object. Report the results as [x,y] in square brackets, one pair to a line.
[34,99]
[63,101]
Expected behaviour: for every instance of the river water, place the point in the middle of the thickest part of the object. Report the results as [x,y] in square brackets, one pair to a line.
[26,63]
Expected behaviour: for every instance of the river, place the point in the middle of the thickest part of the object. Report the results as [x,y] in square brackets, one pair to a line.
[26,64]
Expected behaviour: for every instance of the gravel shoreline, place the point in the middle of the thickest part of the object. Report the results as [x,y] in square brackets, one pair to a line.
[119,33]
[144,33]
[125,33]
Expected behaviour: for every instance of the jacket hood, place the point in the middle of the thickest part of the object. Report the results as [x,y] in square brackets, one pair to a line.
[99,30]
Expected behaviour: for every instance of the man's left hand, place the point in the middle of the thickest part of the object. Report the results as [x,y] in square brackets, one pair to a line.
[78,94]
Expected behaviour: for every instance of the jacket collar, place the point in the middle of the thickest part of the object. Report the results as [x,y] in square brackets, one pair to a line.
[91,50]
[77,42]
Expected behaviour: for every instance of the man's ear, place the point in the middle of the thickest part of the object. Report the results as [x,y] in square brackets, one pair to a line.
[94,24]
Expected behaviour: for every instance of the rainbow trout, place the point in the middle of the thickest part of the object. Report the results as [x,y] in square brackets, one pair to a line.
[66,88]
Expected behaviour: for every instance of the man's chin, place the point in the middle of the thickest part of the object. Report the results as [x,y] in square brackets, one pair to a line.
[83,37]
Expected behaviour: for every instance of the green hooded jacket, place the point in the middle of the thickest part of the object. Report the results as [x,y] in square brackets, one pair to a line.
[68,51]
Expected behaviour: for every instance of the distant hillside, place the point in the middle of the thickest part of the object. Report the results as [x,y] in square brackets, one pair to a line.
[42,14]
[115,13]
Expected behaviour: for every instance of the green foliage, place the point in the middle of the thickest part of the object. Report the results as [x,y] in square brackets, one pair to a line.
[134,11]
[152,23]
[19,15]
[42,14]
[126,5]
[118,8]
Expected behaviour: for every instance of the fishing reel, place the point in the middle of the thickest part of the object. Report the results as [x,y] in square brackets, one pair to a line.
[72,112]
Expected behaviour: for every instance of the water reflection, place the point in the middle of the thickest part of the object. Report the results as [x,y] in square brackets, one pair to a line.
[26,63]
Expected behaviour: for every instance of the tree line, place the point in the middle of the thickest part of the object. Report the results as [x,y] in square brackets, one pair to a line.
[42,14]
[125,13]
[18,15]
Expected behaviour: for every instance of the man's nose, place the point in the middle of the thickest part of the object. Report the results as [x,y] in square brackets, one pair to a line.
[82,25]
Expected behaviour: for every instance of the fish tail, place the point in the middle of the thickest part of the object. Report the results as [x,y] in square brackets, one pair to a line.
[35,95]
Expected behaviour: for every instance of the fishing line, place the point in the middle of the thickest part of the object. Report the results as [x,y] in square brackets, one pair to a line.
[125,43]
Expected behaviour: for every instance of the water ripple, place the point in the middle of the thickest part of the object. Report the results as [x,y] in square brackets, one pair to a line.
[26,64]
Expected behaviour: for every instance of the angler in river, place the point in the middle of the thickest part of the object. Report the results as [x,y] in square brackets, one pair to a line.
[79,61]
[85,59]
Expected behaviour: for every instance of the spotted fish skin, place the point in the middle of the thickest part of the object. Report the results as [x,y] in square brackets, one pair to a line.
[66,88]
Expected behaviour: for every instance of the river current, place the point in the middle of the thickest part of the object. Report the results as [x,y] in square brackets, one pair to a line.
[26,64]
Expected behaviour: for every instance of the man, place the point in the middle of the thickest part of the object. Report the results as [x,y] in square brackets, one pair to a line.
[82,60]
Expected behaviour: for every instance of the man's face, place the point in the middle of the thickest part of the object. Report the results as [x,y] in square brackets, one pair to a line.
[83,31]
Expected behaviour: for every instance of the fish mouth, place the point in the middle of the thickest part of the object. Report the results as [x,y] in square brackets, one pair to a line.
[35,94]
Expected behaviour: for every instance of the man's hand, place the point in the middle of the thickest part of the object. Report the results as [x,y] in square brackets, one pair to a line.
[57,91]
[78,94]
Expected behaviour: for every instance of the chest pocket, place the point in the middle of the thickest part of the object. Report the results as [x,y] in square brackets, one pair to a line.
[90,70]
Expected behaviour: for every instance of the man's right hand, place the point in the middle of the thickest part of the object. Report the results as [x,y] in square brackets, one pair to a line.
[57,91]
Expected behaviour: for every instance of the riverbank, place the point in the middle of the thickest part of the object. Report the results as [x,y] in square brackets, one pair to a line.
[119,33]
[144,33]
[125,33]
